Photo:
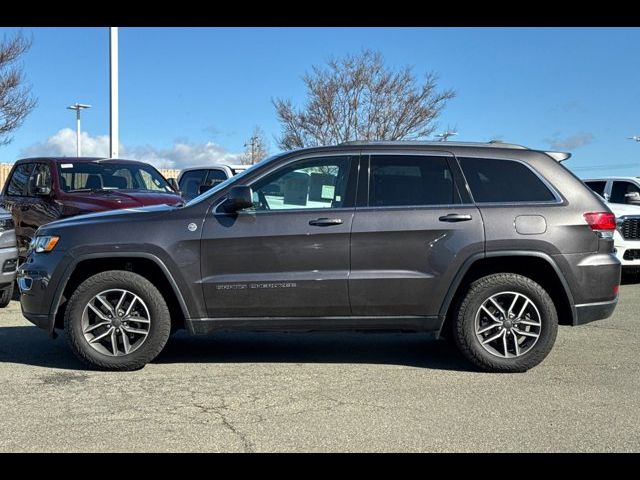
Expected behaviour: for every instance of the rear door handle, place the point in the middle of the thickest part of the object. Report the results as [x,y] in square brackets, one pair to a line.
[325,222]
[455,217]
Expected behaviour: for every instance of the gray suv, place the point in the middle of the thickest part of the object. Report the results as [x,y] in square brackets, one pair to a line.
[489,245]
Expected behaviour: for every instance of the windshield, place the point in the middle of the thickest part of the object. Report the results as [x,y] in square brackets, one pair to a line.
[101,177]
[235,178]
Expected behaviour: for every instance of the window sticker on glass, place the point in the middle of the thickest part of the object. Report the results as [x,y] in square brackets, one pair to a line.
[328,191]
[66,165]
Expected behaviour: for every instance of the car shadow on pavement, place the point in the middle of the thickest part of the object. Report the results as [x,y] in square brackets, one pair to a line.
[416,350]
[31,346]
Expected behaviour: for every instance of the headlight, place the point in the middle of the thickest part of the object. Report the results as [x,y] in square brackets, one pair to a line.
[43,244]
[6,224]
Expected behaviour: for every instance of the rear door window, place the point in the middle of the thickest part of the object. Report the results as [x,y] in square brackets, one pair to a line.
[503,181]
[621,192]
[410,180]
[597,186]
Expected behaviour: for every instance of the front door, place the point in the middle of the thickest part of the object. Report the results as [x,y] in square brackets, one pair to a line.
[289,255]
[410,234]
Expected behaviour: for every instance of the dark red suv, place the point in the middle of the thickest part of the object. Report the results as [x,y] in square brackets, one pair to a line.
[41,190]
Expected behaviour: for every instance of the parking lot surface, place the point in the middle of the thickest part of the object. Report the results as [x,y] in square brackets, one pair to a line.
[323,392]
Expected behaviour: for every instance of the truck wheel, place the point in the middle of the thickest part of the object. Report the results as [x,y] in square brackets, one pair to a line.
[505,323]
[6,294]
[117,320]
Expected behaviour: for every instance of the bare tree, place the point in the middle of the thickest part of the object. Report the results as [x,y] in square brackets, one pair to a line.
[359,98]
[16,101]
[256,148]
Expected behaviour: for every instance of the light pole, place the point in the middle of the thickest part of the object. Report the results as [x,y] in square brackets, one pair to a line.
[77,107]
[113,93]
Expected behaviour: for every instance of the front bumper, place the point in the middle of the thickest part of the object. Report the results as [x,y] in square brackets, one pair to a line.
[626,248]
[38,280]
[8,265]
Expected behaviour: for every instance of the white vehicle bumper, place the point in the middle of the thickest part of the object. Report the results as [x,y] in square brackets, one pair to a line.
[627,251]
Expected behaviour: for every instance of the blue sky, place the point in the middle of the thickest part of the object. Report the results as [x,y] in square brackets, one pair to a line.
[181,88]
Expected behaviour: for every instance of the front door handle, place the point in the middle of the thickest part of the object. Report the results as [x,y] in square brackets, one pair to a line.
[455,217]
[325,222]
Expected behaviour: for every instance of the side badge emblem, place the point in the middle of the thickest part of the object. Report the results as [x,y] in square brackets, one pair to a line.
[192,227]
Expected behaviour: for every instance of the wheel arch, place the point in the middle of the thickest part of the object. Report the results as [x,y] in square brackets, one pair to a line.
[146,264]
[538,266]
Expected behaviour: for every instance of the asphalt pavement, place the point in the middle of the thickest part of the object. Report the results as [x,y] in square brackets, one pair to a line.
[324,392]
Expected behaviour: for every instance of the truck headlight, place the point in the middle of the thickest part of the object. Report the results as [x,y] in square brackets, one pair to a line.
[43,244]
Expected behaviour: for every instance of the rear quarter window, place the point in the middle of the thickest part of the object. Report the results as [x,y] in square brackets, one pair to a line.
[503,181]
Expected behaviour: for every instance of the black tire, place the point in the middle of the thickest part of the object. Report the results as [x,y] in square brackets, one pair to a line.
[6,295]
[465,317]
[159,327]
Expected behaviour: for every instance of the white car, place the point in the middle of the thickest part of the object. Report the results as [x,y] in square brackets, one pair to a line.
[622,195]
[193,181]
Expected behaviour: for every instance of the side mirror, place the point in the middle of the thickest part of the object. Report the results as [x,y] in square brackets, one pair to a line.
[238,198]
[172,182]
[633,197]
[204,188]
[40,189]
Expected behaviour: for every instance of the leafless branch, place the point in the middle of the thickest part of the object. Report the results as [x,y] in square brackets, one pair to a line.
[16,101]
[358,98]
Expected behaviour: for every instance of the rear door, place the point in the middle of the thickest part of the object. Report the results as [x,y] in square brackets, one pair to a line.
[414,226]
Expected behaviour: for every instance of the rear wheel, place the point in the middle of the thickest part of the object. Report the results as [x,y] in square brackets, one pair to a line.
[505,323]
[117,320]
[6,294]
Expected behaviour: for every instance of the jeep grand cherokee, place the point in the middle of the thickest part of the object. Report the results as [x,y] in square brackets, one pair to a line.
[490,245]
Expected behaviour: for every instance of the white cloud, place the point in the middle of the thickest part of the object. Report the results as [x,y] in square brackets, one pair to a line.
[182,154]
[571,142]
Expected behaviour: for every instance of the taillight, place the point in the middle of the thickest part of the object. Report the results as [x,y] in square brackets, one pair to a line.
[601,221]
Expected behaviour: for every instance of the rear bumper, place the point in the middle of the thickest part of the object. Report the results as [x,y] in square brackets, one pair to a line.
[590,312]
[593,280]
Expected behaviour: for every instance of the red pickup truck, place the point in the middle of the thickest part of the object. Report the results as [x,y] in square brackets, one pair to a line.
[41,190]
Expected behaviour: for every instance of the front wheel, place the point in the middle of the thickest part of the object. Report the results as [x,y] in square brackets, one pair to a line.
[117,320]
[505,323]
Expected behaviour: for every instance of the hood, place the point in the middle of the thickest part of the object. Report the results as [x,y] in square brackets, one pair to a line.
[109,216]
[114,199]
[622,209]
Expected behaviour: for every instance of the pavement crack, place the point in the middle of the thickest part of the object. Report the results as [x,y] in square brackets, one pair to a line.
[222,412]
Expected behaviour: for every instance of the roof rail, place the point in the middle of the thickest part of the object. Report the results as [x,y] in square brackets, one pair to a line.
[491,144]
